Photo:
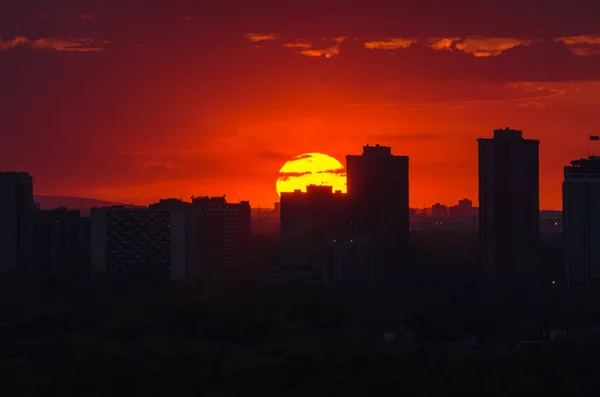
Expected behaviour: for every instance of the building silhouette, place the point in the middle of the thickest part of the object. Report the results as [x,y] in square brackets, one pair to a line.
[377,184]
[265,221]
[581,222]
[509,210]
[171,239]
[550,222]
[309,221]
[222,233]
[318,241]
[350,260]
[16,227]
[439,211]
[464,209]
[61,242]
[138,242]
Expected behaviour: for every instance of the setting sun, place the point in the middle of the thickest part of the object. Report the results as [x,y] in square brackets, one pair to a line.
[311,169]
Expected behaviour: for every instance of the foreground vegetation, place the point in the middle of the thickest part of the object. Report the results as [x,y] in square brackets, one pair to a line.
[120,338]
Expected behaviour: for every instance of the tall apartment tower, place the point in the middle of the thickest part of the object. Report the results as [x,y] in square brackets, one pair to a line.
[16,228]
[377,184]
[309,222]
[223,233]
[581,222]
[509,208]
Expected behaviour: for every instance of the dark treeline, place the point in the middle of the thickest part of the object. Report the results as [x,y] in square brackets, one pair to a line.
[451,258]
[126,338]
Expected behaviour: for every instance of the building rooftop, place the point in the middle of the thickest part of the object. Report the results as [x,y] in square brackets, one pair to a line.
[316,189]
[12,174]
[507,133]
[310,190]
[170,203]
[377,150]
[313,191]
[591,165]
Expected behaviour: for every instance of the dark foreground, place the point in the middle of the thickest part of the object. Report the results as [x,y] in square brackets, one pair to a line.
[107,338]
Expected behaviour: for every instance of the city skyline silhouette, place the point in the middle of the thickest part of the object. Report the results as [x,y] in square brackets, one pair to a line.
[299,198]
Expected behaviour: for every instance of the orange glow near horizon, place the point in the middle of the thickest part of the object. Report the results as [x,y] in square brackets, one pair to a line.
[311,169]
[225,119]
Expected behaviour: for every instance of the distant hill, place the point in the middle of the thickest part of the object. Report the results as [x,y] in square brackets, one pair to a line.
[73,203]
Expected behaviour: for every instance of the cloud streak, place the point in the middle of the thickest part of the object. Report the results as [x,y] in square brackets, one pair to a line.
[406,137]
[73,44]
[480,46]
[274,156]
[443,43]
[337,171]
[259,37]
[298,45]
[321,52]
[284,176]
[477,46]
[308,49]
[389,44]
[582,45]
[531,104]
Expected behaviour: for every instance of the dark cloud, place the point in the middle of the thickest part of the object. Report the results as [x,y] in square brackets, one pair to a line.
[376,18]
[531,104]
[73,44]
[302,156]
[284,176]
[338,171]
[69,15]
[258,37]
[406,137]
[275,156]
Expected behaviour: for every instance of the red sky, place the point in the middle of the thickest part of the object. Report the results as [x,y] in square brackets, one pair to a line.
[149,99]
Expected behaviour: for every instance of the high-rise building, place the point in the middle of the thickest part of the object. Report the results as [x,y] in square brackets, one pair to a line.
[318,241]
[581,222]
[378,189]
[222,233]
[309,222]
[16,228]
[509,208]
[60,242]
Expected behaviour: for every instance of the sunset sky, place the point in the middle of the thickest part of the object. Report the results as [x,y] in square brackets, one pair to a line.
[146,99]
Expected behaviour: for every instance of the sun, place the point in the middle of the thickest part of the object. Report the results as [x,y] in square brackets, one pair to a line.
[311,169]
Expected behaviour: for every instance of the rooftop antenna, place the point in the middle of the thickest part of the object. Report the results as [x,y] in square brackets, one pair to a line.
[591,138]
